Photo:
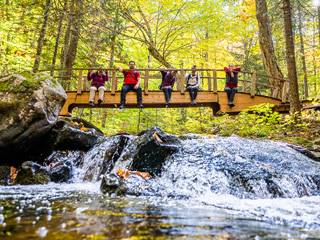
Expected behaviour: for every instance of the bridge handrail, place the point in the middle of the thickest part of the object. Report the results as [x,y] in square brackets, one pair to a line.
[212,86]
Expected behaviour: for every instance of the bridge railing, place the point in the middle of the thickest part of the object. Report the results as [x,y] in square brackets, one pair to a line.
[212,80]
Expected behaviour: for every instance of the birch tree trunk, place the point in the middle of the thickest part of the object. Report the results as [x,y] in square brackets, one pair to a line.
[291,61]
[42,35]
[266,45]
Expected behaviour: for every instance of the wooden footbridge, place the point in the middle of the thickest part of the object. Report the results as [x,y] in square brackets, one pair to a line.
[253,90]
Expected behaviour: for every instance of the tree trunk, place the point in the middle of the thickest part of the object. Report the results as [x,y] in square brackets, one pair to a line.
[67,36]
[58,35]
[266,45]
[103,118]
[75,34]
[291,61]
[303,58]
[42,35]
[319,23]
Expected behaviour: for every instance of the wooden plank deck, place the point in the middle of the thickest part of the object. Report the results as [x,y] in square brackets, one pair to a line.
[155,99]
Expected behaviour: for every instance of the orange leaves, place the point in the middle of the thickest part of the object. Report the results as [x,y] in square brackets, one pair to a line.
[13,174]
[126,174]
[157,137]
[81,125]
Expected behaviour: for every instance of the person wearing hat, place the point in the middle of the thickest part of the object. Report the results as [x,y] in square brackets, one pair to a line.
[231,82]
[193,84]
[98,80]
[168,80]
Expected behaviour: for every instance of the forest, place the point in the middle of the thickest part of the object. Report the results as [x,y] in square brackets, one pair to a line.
[275,37]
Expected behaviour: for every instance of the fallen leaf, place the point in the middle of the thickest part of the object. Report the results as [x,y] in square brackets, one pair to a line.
[12,170]
[157,137]
[83,129]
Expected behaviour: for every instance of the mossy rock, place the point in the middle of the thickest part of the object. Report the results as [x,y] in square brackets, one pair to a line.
[31,173]
[299,141]
[4,175]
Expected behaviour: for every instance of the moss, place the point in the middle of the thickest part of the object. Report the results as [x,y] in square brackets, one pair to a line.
[9,108]
[299,141]
[29,178]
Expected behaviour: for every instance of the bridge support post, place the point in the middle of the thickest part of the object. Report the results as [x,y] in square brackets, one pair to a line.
[146,82]
[79,82]
[183,74]
[253,85]
[114,82]
[215,82]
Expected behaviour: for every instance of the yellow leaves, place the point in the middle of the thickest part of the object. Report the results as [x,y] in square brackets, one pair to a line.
[13,174]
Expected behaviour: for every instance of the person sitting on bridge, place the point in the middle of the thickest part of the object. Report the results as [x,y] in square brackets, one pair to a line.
[193,84]
[168,80]
[98,80]
[132,80]
[231,82]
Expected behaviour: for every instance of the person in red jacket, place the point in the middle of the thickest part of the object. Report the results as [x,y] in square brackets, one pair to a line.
[231,82]
[98,80]
[132,80]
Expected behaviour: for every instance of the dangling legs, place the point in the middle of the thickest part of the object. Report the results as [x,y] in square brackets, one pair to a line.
[101,94]
[93,90]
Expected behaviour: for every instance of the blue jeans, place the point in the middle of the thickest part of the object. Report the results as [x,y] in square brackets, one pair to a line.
[231,92]
[193,92]
[126,88]
[167,93]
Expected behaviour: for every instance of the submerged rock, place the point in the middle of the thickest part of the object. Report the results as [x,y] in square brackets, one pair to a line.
[29,106]
[32,173]
[111,183]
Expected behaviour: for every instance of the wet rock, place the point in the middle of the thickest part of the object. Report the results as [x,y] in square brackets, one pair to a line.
[32,173]
[4,175]
[305,152]
[149,151]
[111,183]
[29,107]
[62,172]
[75,157]
[66,136]
[103,157]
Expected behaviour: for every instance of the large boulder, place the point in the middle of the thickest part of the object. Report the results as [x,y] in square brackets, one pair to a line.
[29,106]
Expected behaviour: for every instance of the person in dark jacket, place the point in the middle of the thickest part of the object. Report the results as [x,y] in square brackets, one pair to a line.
[168,80]
[132,80]
[98,80]
[193,84]
[231,82]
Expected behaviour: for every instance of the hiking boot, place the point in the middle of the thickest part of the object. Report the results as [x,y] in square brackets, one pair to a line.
[140,105]
[194,102]
[100,101]
[122,106]
[230,104]
[167,102]
[91,103]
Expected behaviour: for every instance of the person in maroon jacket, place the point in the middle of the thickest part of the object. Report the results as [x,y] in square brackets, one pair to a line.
[168,80]
[132,80]
[98,80]
[231,82]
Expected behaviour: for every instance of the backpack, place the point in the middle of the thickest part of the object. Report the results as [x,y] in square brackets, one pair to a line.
[96,74]
[189,76]
[134,73]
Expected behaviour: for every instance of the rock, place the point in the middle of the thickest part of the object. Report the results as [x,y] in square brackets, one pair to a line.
[151,150]
[304,151]
[75,157]
[67,136]
[32,173]
[29,106]
[111,183]
[4,175]
[109,152]
[62,172]
[316,142]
